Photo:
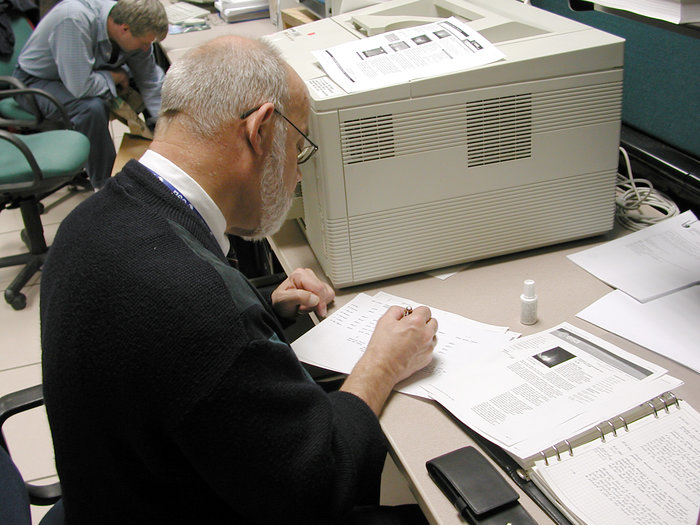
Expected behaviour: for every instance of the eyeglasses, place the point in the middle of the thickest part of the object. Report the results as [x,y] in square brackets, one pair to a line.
[306,152]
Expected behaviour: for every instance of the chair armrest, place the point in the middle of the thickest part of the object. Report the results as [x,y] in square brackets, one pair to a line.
[10,137]
[21,90]
[11,81]
[15,403]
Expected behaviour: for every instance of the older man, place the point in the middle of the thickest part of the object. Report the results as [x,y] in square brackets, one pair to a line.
[170,389]
[83,52]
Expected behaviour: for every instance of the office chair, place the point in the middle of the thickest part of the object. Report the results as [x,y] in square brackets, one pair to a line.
[12,116]
[16,495]
[33,166]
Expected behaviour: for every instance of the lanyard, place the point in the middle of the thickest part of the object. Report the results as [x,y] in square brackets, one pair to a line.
[183,199]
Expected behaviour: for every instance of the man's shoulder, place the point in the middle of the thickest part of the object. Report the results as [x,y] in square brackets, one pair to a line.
[87,10]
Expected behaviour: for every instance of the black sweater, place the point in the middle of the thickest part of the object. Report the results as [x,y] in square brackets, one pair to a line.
[171,392]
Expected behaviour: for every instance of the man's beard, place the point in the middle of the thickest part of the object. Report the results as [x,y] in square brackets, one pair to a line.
[273,196]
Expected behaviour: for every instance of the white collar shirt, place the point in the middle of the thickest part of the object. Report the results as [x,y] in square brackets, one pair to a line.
[193,192]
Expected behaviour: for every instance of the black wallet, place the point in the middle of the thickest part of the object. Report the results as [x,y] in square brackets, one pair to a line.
[477,489]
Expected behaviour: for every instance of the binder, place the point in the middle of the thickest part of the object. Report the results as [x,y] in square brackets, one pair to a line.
[651,421]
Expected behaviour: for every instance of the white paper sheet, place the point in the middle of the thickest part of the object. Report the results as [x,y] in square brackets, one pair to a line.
[400,56]
[548,387]
[650,474]
[669,325]
[338,342]
[649,263]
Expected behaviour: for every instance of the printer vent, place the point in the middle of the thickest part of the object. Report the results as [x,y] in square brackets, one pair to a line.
[499,129]
[366,139]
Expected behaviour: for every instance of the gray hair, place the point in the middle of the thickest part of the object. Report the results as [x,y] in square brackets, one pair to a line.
[218,81]
[142,17]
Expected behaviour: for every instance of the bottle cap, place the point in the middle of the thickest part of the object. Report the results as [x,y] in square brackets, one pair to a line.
[529,289]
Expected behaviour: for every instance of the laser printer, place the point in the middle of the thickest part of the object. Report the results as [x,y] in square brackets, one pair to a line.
[516,154]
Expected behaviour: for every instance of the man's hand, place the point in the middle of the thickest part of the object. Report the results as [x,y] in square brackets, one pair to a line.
[121,79]
[400,346]
[300,293]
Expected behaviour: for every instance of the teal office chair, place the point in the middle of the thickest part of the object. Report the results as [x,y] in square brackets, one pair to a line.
[11,114]
[33,166]
[16,495]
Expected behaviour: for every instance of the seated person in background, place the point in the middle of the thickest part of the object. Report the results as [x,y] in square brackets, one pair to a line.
[77,53]
[172,394]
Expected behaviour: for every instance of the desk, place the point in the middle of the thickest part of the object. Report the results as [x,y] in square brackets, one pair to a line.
[488,291]
[175,45]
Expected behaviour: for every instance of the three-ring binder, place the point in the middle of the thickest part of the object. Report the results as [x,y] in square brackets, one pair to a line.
[667,400]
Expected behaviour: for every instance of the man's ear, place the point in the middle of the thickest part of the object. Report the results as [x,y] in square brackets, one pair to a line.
[258,125]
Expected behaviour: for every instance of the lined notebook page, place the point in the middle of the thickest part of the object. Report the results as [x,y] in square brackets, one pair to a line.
[650,474]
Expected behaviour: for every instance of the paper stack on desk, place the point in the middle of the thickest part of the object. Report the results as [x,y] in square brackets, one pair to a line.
[657,273]
[461,341]
[674,11]
[595,427]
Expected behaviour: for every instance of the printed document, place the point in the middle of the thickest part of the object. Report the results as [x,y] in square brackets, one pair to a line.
[400,56]
[668,325]
[338,342]
[647,264]
[548,387]
[649,474]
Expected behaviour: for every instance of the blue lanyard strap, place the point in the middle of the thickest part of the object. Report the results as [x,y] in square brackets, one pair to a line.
[183,199]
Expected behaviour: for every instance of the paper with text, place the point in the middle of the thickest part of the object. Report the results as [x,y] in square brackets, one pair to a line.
[650,474]
[400,56]
[338,342]
[647,264]
[668,325]
[548,387]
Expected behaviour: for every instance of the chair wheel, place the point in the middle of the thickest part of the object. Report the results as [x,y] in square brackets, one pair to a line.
[25,238]
[17,300]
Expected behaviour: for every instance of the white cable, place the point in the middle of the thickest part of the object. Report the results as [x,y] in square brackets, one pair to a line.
[632,193]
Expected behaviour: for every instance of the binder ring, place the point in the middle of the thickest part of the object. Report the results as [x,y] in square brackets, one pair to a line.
[545,457]
[571,450]
[675,399]
[663,400]
[653,407]
[557,452]
[624,423]
[614,432]
[602,434]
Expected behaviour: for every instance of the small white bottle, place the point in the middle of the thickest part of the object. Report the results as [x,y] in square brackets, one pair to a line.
[528,303]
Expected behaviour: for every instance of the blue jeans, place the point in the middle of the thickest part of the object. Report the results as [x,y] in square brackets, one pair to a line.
[90,116]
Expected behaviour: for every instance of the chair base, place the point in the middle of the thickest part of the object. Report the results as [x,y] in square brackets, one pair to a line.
[33,236]
[13,294]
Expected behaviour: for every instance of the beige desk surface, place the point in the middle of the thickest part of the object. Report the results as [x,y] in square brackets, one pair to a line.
[175,45]
[487,291]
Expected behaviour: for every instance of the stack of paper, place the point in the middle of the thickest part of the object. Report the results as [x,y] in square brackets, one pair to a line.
[180,11]
[674,11]
[461,343]
[657,275]
[397,57]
